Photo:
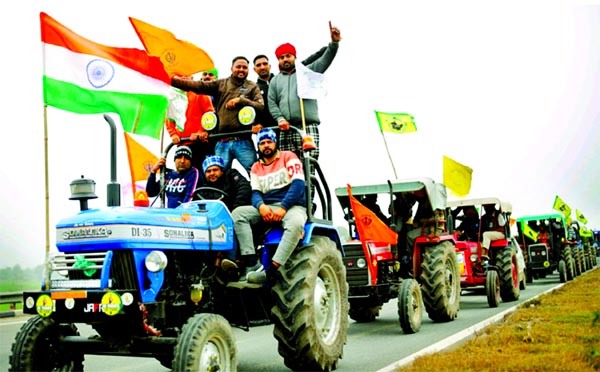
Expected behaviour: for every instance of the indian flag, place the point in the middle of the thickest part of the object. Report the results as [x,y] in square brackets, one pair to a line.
[84,77]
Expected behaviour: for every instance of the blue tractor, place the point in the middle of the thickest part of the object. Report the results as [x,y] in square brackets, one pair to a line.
[149,283]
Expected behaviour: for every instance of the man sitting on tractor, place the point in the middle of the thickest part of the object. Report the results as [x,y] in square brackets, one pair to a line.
[493,222]
[423,222]
[179,183]
[542,236]
[278,196]
[469,227]
[235,193]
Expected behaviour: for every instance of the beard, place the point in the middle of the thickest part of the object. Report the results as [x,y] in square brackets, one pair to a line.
[267,152]
[287,66]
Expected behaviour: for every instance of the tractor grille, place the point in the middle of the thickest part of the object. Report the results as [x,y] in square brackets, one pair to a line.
[72,271]
[355,276]
[538,253]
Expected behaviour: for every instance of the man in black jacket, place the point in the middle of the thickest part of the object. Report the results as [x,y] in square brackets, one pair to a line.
[235,187]
[236,192]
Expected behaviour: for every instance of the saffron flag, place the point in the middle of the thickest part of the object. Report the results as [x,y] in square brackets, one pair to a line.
[369,226]
[457,177]
[84,77]
[561,206]
[141,161]
[179,57]
[580,217]
[395,123]
[528,231]
[310,84]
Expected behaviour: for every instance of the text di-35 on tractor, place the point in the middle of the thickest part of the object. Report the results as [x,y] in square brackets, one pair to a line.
[501,273]
[423,272]
[149,282]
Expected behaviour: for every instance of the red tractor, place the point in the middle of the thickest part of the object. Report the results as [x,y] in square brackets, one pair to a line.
[498,269]
[419,269]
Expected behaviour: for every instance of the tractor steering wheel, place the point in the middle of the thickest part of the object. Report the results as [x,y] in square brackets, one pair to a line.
[198,193]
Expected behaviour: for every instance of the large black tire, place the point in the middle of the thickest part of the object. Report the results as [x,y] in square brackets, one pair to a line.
[410,306]
[310,314]
[492,288]
[37,347]
[363,314]
[523,282]
[567,256]
[529,274]
[562,271]
[577,261]
[440,280]
[206,343]
[506,261]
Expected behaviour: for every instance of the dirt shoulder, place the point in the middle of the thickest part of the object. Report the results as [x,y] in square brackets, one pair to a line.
[559,331]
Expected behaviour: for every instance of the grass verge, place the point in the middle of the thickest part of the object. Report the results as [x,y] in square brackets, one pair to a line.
[559,331]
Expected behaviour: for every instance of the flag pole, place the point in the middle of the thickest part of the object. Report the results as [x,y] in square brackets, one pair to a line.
[47,188]
[302,115]
[389,156]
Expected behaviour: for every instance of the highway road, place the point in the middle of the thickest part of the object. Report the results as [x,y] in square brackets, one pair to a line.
[378,346]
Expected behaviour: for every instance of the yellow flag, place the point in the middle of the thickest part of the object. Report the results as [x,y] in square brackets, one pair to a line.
[395,123]
[528,231]
[580,217]
[140,160]
[457,177]
[561,206]
[178,56]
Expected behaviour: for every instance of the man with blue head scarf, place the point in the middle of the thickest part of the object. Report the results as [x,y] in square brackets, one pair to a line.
[278,196]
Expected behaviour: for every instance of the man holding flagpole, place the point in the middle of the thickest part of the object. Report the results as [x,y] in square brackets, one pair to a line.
[287,106]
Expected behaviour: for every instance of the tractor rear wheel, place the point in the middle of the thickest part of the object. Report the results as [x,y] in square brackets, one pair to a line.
[440,280]
[562,271]
[506,261]
[311,307]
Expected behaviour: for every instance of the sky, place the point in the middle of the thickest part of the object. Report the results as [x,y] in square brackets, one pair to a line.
[510,89]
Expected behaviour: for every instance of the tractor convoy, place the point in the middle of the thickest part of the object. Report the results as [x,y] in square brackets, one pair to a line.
[149,280]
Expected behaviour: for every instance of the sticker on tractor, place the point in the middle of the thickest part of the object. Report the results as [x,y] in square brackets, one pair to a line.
[111,303]
[44,305]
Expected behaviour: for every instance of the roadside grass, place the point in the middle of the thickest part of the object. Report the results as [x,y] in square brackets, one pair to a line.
[559,331]
[8,286]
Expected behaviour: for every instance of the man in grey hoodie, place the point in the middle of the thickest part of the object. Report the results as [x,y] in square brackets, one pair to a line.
[283,100]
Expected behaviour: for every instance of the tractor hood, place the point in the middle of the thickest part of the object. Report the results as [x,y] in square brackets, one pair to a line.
[198,225]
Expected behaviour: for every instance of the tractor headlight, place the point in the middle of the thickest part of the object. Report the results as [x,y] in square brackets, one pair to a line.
[361,262]
[156,261]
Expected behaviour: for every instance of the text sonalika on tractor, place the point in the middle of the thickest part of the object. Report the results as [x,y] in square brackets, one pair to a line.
[149,282]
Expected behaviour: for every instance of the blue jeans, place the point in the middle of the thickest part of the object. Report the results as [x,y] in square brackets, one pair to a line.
[242,150]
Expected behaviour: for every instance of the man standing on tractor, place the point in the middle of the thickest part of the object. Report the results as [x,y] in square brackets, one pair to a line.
[493,223]
[278,196]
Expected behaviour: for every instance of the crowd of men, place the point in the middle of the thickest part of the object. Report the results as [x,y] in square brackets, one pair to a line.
[203,165]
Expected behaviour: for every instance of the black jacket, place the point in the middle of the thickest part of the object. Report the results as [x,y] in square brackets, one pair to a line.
[235,185]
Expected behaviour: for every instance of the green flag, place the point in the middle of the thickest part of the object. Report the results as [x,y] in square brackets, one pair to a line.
[395,123]
[580,217]
[528,231]
[561,206]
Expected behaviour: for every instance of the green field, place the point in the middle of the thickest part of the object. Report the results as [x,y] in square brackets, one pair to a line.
[6,286]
